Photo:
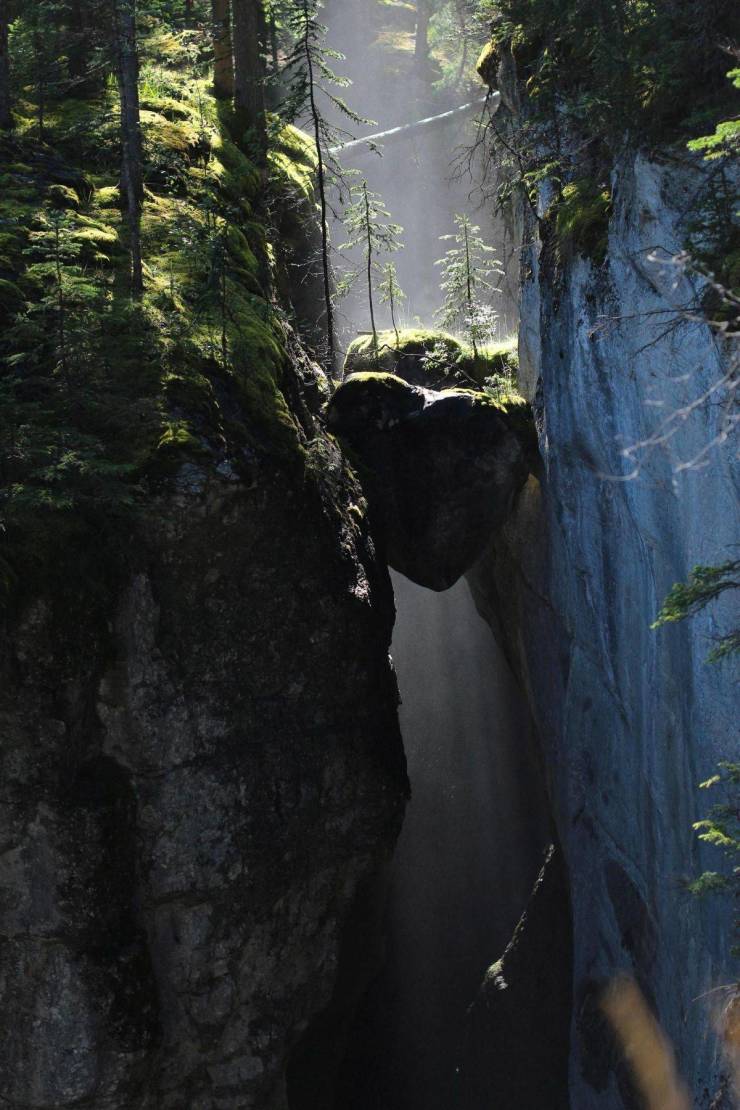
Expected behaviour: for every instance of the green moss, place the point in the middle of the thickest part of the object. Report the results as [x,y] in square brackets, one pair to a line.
[237,177]
[174,110]
[177,436]
[412,344]
[582,218]
[175,135]
[192,393]
[293,162]
[108,197]
[382,381]
[101,235]
[62,196]
[241,253]
[487,63]
[431,357]
[153,382]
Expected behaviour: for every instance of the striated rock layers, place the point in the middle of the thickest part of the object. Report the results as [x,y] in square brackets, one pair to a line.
[441,470]
[630,719]
[202,780]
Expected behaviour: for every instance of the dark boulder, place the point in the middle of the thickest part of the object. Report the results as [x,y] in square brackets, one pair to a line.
[441,470]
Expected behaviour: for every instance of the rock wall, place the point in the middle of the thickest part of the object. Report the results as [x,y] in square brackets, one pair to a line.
[201,773]
[630,719]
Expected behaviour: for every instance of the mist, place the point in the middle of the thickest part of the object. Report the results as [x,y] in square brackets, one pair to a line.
[468,855]
[476,827]
[424,177]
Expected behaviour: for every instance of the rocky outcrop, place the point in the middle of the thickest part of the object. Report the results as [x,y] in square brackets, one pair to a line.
[517,1041]
[431,359]
[440,470]
[202,775]
[630,719]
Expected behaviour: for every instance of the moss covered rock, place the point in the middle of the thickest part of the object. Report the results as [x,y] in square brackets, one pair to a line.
[430,358]
[487,64]
[582,218]
[440,469]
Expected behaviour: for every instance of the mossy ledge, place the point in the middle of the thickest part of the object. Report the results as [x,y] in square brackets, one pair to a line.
[429,357]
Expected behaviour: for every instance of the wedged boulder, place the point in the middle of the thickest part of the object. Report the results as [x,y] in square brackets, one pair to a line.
[440,470]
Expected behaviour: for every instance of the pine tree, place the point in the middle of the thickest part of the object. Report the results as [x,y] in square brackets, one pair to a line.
[127,66]
[81,18]
[466,269]
[55,329]
[369,227]
[424,11]
[705,585]
[6,118]
[223,64]
[249,29]
[37,49]
[309,75]
[391,294]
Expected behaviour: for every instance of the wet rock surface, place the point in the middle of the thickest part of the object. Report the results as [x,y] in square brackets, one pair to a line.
[440,469]
[630,719]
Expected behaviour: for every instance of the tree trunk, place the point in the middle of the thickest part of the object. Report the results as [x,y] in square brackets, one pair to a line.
[6,119]
[131,162]
[223,64]
[40,80]
[272,92]
[81,22]
[249,70]
[469,285]
[321,181]
[369,261]
[421,49]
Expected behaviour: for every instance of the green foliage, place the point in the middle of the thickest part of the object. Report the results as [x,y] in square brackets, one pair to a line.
[721,829]
[721,826]
[713,239]
[705,585]
[650,66]
[101,400]
[437,355]
[369,228]
[312,83]
[647,72]
[582,218]
[466,269]
[456,30]
[725,139]
[391,294]
[368,224]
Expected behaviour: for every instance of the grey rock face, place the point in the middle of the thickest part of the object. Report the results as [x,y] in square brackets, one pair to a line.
[198,776]
[440,469]
[630,719]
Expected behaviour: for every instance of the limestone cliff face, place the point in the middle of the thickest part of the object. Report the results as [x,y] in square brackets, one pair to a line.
[199,773]
[630,719]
